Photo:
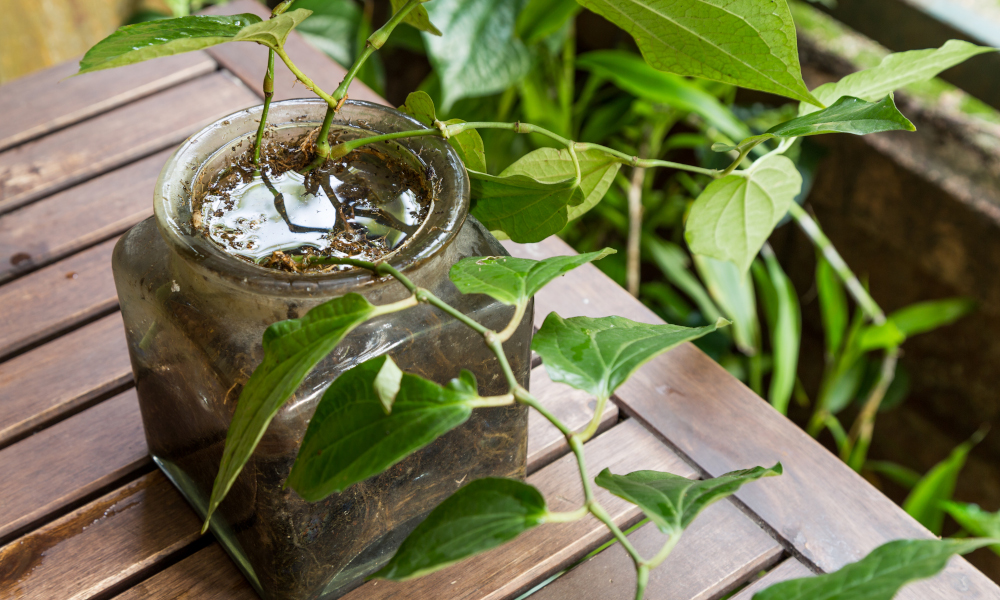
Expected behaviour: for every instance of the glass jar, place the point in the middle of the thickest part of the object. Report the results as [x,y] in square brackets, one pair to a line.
[194,316]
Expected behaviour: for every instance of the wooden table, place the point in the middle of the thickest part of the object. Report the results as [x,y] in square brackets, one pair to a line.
[84,514]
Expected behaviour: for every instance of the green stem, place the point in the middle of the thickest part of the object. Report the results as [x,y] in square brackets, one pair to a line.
[303,78]
[268,94]
[856,450]
[322,142]
[514,323]
[819,239]
[664,552]
[595,421]
[491,401]
[567,517]
[344,148]
[641,580]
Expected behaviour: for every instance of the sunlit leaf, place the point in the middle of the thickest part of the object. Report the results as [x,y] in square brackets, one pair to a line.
[549,165]
[733,292]
[927,316]
[274,31]
[418,17]
[469,146]
[976,521]
[420,106]
[938,486]
[846,115]
[785,322]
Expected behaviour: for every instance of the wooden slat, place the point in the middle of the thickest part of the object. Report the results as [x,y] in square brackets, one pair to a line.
[87,363]
[58,160]
[720,550]
[48,100]
[819,506]
[249,61]
[70,558]
[573,407]
[56,297]
[69,461]
[208,574]
[790,568]
[63,223]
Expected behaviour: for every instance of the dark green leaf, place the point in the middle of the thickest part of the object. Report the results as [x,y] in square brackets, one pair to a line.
[542,18]
[163,37]
[749,44]
[832,305]
[877,576]
[478,54]
[549,165]
[418,17]
[847,115]
[514,280]
[632,74]
[733,217]
[843,388]
[672,501]
[598,355]
[938,485]
[927,316]
[976,521]
[525,209]
[480,516]
[291,349]
[352,437]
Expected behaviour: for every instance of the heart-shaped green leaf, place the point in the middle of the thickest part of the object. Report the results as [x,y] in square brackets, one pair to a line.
[672,501]
[469,146]
[514,280]
[896,71]
[975,520]
[291,349]
[163,37]
[526,210]
[480,516]
[877,576]
[734,215]
[749,43]
[352,437]
[418,17]
[598,355]
[420,106]
[549,165]
[274,31]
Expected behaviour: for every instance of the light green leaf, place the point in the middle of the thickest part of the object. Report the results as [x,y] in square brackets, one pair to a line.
[733,292]
[598,355]
[542,18]
[927,316]
[672,501]
[734,215]
[179,8]
[274,31]
[525,209]
[469,146]
[291,349]
[832,305]
[880,337]
[418,17]
[420,106]
[514,281]
[352,437]
[843,387]
[785,321]
[675,264]
[478,53]
[877,576]
[938,485]
[896,71]
[896,472]
[482,515]
[976,521]
[749,43]
[847,115]
[632,74]
[549,165]
[163,37]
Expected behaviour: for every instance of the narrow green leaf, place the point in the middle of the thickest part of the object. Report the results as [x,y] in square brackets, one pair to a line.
[976,521]
[420,106]
[352,436]
[734,215]
[163,37]
[542,18]
[672,501]
[632,74]
[896,71]
[418,17]
[469,146]
[927,316]
[786,331]
[880,337]
[746,43]
[733,292]
[897,473]
[877,576]
[832,305]
[274,31]
[549,165]
[938,485]
[482,515]
[675,264]
[291,349]
[847,115]
[843,387]
[525,209]
[514,280]
[598,355]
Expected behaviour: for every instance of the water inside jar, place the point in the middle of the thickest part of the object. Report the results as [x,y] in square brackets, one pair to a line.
[365,205]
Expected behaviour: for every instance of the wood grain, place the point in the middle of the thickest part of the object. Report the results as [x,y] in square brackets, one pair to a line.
[69,461]
[63,223]
[58,160]
[56,297]
[790,568]
[116,538]
[51,99]
[573,407]
[208,574]
[719,551]
[249,61]
[89,362]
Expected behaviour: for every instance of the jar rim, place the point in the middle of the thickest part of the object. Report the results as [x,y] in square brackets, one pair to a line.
[172,196]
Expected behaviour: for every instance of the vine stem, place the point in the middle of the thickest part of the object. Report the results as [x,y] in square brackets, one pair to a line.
[268,94]
[855,451]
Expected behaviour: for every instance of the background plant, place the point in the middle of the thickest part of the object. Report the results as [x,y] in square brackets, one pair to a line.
[740,195]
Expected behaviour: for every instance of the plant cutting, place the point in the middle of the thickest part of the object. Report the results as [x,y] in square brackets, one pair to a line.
[335,233]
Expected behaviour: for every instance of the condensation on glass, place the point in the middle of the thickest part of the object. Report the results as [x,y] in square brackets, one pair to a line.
[194,317]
